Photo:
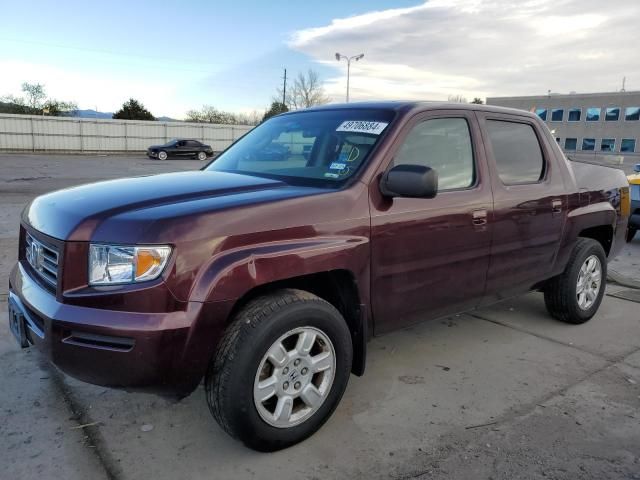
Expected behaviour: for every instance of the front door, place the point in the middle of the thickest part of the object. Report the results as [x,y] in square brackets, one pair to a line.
[430,256]
[530,204]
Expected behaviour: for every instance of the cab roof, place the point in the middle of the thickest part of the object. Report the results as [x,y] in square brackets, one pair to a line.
[416,106]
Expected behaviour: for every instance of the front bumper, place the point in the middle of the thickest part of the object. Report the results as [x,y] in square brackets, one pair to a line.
[152,154]
[165,353]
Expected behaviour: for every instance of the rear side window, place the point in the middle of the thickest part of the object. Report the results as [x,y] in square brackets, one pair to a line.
[517,152]
[444,144]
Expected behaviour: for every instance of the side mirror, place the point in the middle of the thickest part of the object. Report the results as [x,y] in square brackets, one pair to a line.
[415,181]
[636,168]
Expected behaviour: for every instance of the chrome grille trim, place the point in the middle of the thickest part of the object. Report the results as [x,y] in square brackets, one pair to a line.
[43,259]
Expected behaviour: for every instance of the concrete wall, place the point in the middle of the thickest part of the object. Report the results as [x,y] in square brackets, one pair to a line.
[618,130]
[67,134]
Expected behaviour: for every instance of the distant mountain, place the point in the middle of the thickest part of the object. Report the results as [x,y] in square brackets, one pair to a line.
[93,114]
[90,113]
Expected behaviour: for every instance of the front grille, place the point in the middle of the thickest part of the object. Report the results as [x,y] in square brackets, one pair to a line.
[43,259]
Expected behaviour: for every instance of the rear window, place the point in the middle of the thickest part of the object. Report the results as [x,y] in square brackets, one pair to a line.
[517,152]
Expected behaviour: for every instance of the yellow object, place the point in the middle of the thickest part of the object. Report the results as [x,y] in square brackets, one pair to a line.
[634,179]
[625,202]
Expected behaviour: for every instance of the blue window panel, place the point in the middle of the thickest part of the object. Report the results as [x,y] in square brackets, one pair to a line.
[608,145]
[588,144]
[542,113]
[628,145]
[632,114]
[612,114]
[570,144]
[593,114]
[575,114]
[557,115]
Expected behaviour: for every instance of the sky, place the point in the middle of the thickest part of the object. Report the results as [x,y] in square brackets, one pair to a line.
[176,56]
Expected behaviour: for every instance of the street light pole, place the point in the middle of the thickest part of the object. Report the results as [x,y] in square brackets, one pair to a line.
[348,59]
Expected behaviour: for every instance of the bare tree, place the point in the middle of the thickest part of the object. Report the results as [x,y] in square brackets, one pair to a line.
[210,114]
[477,101]
[306,91]
[35,94]
[35,102]
[457,99]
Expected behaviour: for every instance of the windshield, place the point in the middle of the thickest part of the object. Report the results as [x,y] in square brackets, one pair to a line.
[322,148]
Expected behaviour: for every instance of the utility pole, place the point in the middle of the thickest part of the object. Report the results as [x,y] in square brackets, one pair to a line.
[284,88]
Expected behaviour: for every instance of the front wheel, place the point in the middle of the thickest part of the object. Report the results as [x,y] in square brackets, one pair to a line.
[575,295]
[202,156]
[162,155]
[631,232]
[280,369]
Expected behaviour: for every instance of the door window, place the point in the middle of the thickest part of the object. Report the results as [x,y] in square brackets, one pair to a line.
[517,152]
[444,144]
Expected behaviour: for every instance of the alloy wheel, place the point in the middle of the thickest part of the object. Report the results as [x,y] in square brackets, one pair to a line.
[589,282]
[294,377]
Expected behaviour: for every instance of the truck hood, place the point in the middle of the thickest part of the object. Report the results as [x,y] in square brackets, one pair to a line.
[81,213]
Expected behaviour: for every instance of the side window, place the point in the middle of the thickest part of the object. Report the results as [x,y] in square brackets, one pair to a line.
[443,144]
[517,152]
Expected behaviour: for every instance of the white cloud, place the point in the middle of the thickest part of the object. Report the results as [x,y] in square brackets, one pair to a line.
[481,48]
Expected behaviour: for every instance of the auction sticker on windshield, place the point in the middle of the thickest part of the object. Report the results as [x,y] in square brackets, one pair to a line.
[361,126]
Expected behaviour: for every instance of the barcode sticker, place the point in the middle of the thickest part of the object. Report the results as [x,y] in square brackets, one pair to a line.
[361,126]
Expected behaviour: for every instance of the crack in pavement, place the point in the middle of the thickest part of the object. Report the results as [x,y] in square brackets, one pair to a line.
[615,359]
[91,428]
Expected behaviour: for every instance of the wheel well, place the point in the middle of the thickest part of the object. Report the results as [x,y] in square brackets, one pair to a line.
[339,288]
[602,234]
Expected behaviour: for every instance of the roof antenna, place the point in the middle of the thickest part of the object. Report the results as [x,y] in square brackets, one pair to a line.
[624,80]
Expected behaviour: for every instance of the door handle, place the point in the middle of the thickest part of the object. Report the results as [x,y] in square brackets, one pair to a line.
[556,205]
[479,217]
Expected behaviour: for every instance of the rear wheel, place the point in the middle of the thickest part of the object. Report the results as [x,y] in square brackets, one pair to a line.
[631,232]
[280,369]
[575,296]
[162,155]
[201,156]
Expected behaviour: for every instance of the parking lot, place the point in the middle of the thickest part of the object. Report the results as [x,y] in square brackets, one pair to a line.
[504,392]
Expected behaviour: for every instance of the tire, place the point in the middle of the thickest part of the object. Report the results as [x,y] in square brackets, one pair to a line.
[235,379]
[631,232]
[202,156]
[162,155]
[561,294]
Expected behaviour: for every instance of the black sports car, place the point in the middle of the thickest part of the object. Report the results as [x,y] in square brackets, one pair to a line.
[180,148]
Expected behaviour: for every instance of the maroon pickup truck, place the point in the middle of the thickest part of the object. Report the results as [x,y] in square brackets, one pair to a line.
[265,275]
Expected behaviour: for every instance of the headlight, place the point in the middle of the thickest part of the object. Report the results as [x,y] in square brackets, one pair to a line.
[117,264]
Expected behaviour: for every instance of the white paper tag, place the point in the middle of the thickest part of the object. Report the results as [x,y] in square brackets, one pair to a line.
[362,126]
[337,166]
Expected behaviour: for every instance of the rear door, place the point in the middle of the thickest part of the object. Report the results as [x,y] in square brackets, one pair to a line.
[429,257]
[530,203]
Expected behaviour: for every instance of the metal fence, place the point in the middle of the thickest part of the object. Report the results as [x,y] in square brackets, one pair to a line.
[67,134]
